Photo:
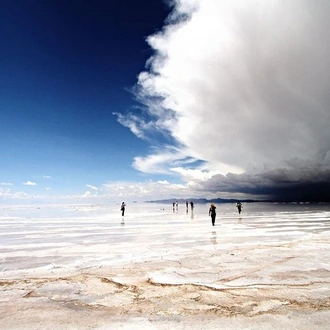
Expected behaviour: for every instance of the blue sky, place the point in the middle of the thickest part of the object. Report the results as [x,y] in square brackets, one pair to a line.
[65,68]
[123,100]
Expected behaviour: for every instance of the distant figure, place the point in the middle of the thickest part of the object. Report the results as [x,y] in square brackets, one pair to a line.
[239,207]
[173,206]
[187,205]
[177,205]
[212,213]
[122,208]
[192,205]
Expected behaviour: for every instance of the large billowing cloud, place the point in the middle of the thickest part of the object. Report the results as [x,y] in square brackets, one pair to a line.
[242,86]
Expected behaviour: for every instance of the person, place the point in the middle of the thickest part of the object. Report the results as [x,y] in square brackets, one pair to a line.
[192,205]
[192,209]
[122,208]
[212,213]
[239,207]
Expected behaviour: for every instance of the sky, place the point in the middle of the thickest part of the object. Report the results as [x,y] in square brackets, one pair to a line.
[104,101]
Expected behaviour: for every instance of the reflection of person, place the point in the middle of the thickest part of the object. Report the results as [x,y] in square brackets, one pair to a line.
[239,207]
[213,238]
[212,213]
[122,208]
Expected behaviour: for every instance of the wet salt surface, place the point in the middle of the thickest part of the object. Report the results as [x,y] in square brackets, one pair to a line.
[86,267]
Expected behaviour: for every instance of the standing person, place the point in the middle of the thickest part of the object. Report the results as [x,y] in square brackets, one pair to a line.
[122,208]
[192,205]
[239,207]
[212,213]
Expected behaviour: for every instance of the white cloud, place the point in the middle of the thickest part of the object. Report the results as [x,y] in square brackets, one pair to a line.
[236,85]
[91,187]
[46,177]
[161,160]
[163,182]
[233,78]
[10,195]
[29,183]
[87,194]
[6,184]
[148,190]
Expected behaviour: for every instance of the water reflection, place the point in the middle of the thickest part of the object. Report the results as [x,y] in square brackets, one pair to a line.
[213,238]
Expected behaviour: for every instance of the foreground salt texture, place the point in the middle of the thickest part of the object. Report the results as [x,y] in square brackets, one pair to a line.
[86,267]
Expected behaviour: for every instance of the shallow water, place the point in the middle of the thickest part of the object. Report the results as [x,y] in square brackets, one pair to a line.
[273,260]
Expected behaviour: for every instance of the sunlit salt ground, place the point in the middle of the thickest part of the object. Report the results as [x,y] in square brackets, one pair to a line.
[87,267]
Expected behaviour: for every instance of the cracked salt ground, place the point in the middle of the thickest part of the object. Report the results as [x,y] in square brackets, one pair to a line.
[256,271]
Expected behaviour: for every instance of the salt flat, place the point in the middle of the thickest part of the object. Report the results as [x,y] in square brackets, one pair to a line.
[86,267]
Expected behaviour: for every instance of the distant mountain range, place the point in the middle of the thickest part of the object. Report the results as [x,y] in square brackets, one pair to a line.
[231,200]
[203,200]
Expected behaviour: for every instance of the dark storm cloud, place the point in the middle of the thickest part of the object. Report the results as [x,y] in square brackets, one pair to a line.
[294,180]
